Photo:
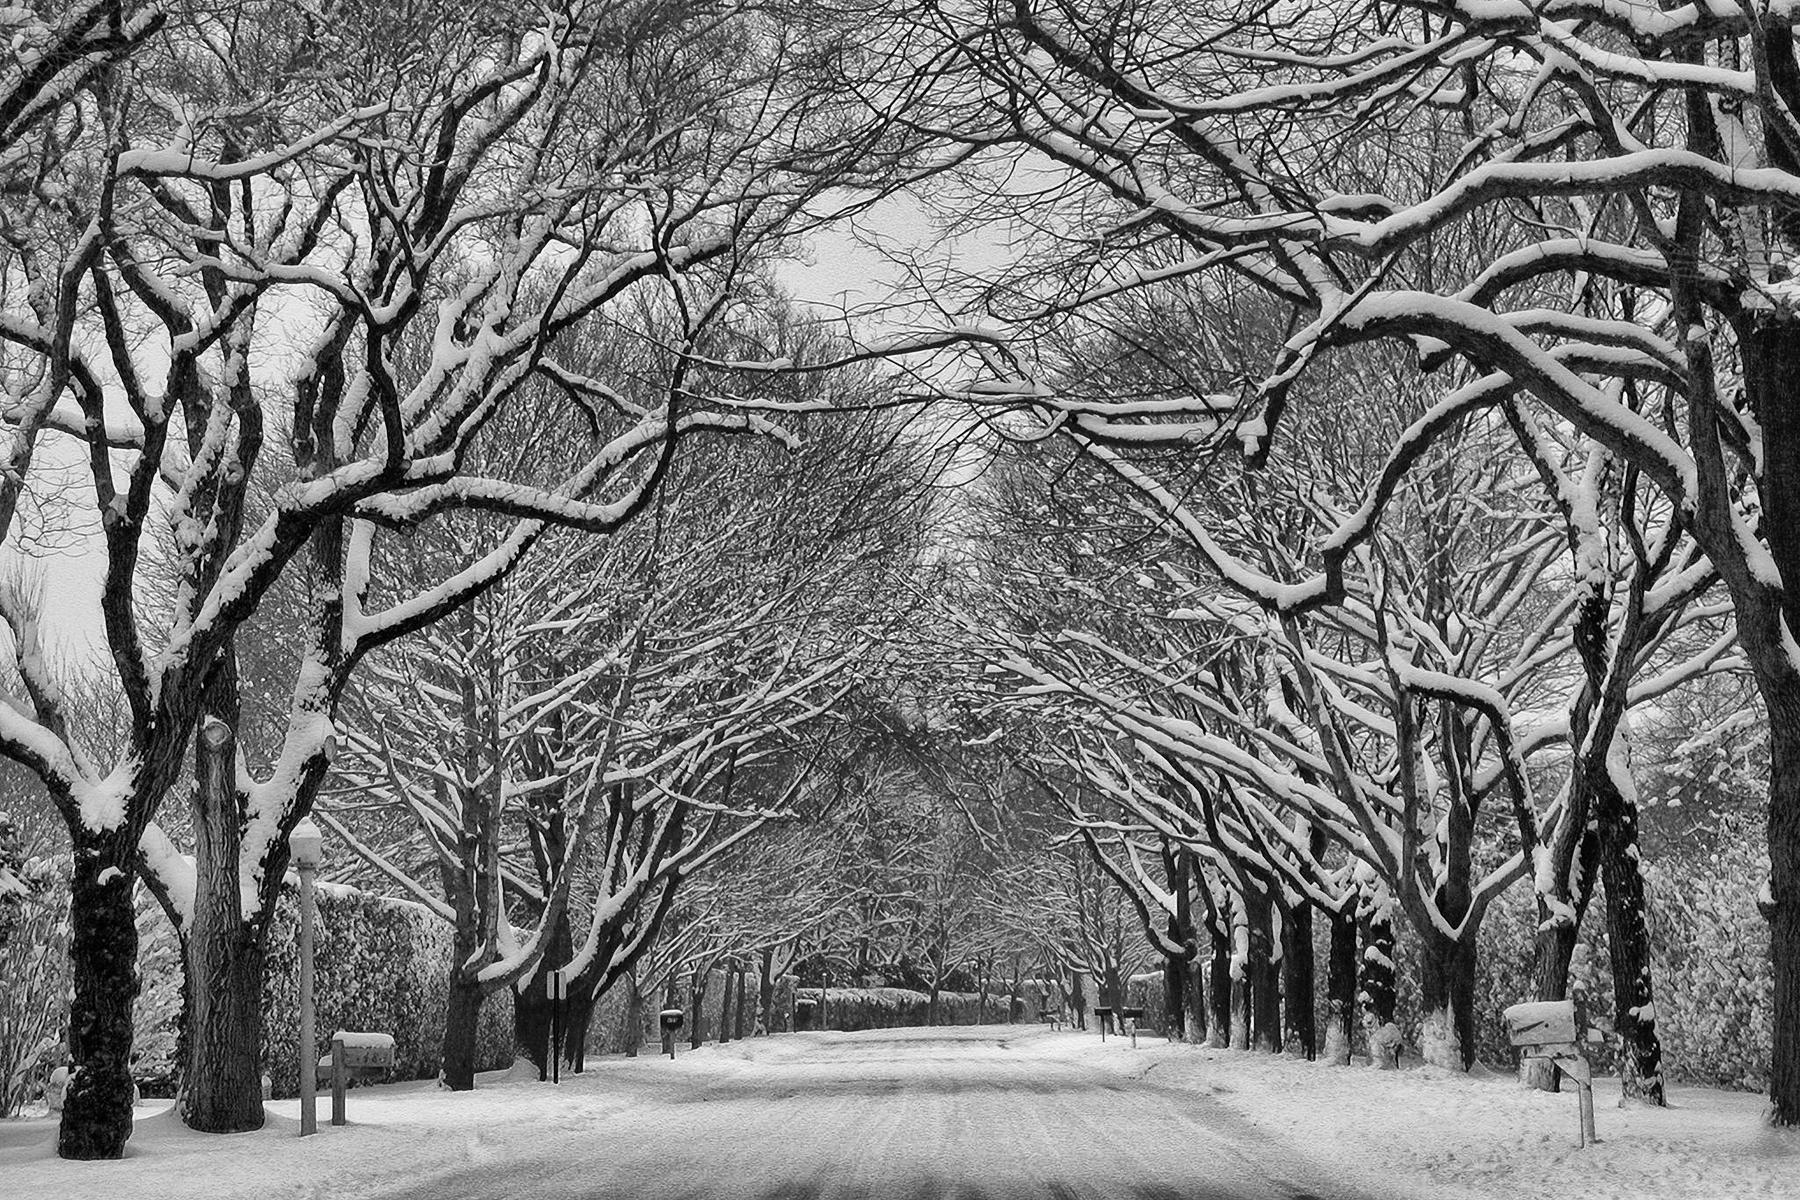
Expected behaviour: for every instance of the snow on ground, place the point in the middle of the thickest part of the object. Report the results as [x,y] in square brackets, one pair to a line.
[1420,1131]
[1484,1135]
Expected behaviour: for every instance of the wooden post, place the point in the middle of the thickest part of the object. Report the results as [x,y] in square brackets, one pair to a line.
[340,1080]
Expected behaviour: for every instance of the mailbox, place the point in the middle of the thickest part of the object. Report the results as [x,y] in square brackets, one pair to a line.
[670,1019]
[1541,1023]
[362,1056]
[1552,1029]
[1132,1014]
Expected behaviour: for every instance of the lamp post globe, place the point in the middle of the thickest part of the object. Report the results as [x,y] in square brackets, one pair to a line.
[306,844]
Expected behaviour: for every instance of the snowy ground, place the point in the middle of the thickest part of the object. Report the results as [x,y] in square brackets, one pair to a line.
[967,1113]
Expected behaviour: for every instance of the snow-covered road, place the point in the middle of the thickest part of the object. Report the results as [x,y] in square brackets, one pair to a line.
[917,1114]
[995,1113]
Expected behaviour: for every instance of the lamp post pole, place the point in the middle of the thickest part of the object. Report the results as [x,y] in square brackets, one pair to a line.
[305,844]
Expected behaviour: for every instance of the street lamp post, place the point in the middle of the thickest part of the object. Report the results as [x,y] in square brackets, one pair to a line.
[305,845]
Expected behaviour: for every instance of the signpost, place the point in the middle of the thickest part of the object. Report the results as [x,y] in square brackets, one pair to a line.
[1132,1017]
[557,986]
[1554,1029]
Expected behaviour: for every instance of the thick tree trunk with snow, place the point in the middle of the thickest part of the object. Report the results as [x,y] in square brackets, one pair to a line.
[1174,975]
[1263,972]
[1221,991]
[1628,935]
[634,1014]
[222,1075]
[1299,1032]
[1447,1001]
[1193,1031]
[532,1023]
[1375,982]
[462,1024]
[743,997]
[578,1014]
[697,1010]
[1782,908]
[1340,984]
[765,993]
[1768,624]
[96,1116]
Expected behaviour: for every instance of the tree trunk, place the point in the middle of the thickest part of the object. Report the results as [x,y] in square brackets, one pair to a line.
[1782,908]
[725,1010]
[222,1066]
[1174,975]
[634,1014]
[1375,982]
[743,990]
[1263,972]
[931,1007]
[96,1118]
[765,993]
[1340,983]
[462,1027]
[1769,341]
[1221,990]
[1300,1035]
[1077,1000]
[697,1034]
[1447,998]
[532,1024]
[1628,934]
[578,1014]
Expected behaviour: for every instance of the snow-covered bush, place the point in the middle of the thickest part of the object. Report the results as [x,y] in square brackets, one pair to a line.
[1709,952]
[34,977]
[380,965]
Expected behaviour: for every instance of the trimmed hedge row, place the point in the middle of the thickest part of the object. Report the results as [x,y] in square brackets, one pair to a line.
[379,964]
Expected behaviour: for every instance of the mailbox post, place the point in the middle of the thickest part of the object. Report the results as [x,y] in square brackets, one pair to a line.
[670,1020]
[1132,1016]
[1553,1029]
[1104,1014]
[355,1056]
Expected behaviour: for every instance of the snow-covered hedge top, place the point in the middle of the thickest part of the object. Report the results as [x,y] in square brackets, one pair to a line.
[364,1041]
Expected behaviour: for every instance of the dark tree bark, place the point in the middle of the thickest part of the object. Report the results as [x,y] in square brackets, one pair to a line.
[697,1006]
[462,1027]
[1221,987]
[532,1024]
[1174,975]
[1447,996]
[1300,1033]
[1628,935]
[1340,982]
[765,992]
[1077,1000]
[103,947]
[222,1075]
[1375,991]
[634,1014]
[724,1010]
[1262,972]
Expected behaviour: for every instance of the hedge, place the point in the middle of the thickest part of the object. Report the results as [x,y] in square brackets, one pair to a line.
[381,965]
